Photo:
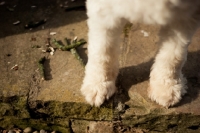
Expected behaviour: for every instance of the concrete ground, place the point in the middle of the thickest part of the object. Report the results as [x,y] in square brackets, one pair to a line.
[26,100]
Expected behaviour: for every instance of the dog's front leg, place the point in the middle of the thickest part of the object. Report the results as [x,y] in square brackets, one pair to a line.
[103,51]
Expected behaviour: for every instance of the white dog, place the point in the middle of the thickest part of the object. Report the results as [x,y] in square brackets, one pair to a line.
[178,19]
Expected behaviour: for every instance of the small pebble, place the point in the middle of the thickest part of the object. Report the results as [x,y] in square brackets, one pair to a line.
[28,130]
[11,131]
[52,49]
[75,38]
[17,130]
[52,33]
[44,51]
[43,131]
[121,107]
[33,6]
[17,22]
[35,132]
[146,34]
[51,53]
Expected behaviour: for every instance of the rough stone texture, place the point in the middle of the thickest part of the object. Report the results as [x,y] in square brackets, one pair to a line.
[56,103]
[92,126]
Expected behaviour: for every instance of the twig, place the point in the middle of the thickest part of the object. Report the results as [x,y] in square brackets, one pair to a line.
[35,24]
[75,53]
[68,47]
[72,47]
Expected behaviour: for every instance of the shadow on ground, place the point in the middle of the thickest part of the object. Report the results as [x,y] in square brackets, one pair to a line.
[54,11]
[133,75]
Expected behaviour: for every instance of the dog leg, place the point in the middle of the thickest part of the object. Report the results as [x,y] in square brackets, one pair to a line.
[167,83]
[103,51]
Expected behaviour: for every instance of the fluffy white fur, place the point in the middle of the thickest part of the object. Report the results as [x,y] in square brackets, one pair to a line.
[106,18]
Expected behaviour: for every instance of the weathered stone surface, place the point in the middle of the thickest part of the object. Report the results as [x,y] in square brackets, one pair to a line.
[56,103]
[79,126]
[136,61]
[136,64]
[55,109]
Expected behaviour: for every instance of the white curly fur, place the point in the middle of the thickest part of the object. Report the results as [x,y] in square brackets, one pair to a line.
[106,18]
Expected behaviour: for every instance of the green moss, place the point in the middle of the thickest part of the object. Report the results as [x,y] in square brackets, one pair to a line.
[64,122]
[55,109]
[6,109]
[53,115]
[127,29]
[14,106]
[61,129]
[163,123]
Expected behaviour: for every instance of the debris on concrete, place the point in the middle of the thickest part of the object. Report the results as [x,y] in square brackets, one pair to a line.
[51,53]
[121,107]
[15,67]
[52,33]
[146,34]
[17,22]
[75,38]
[35,24]
[44,50]
[51,50]
[33,6]
[11,9]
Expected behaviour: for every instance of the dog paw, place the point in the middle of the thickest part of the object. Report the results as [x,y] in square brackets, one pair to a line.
[96,93]
[167,92]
